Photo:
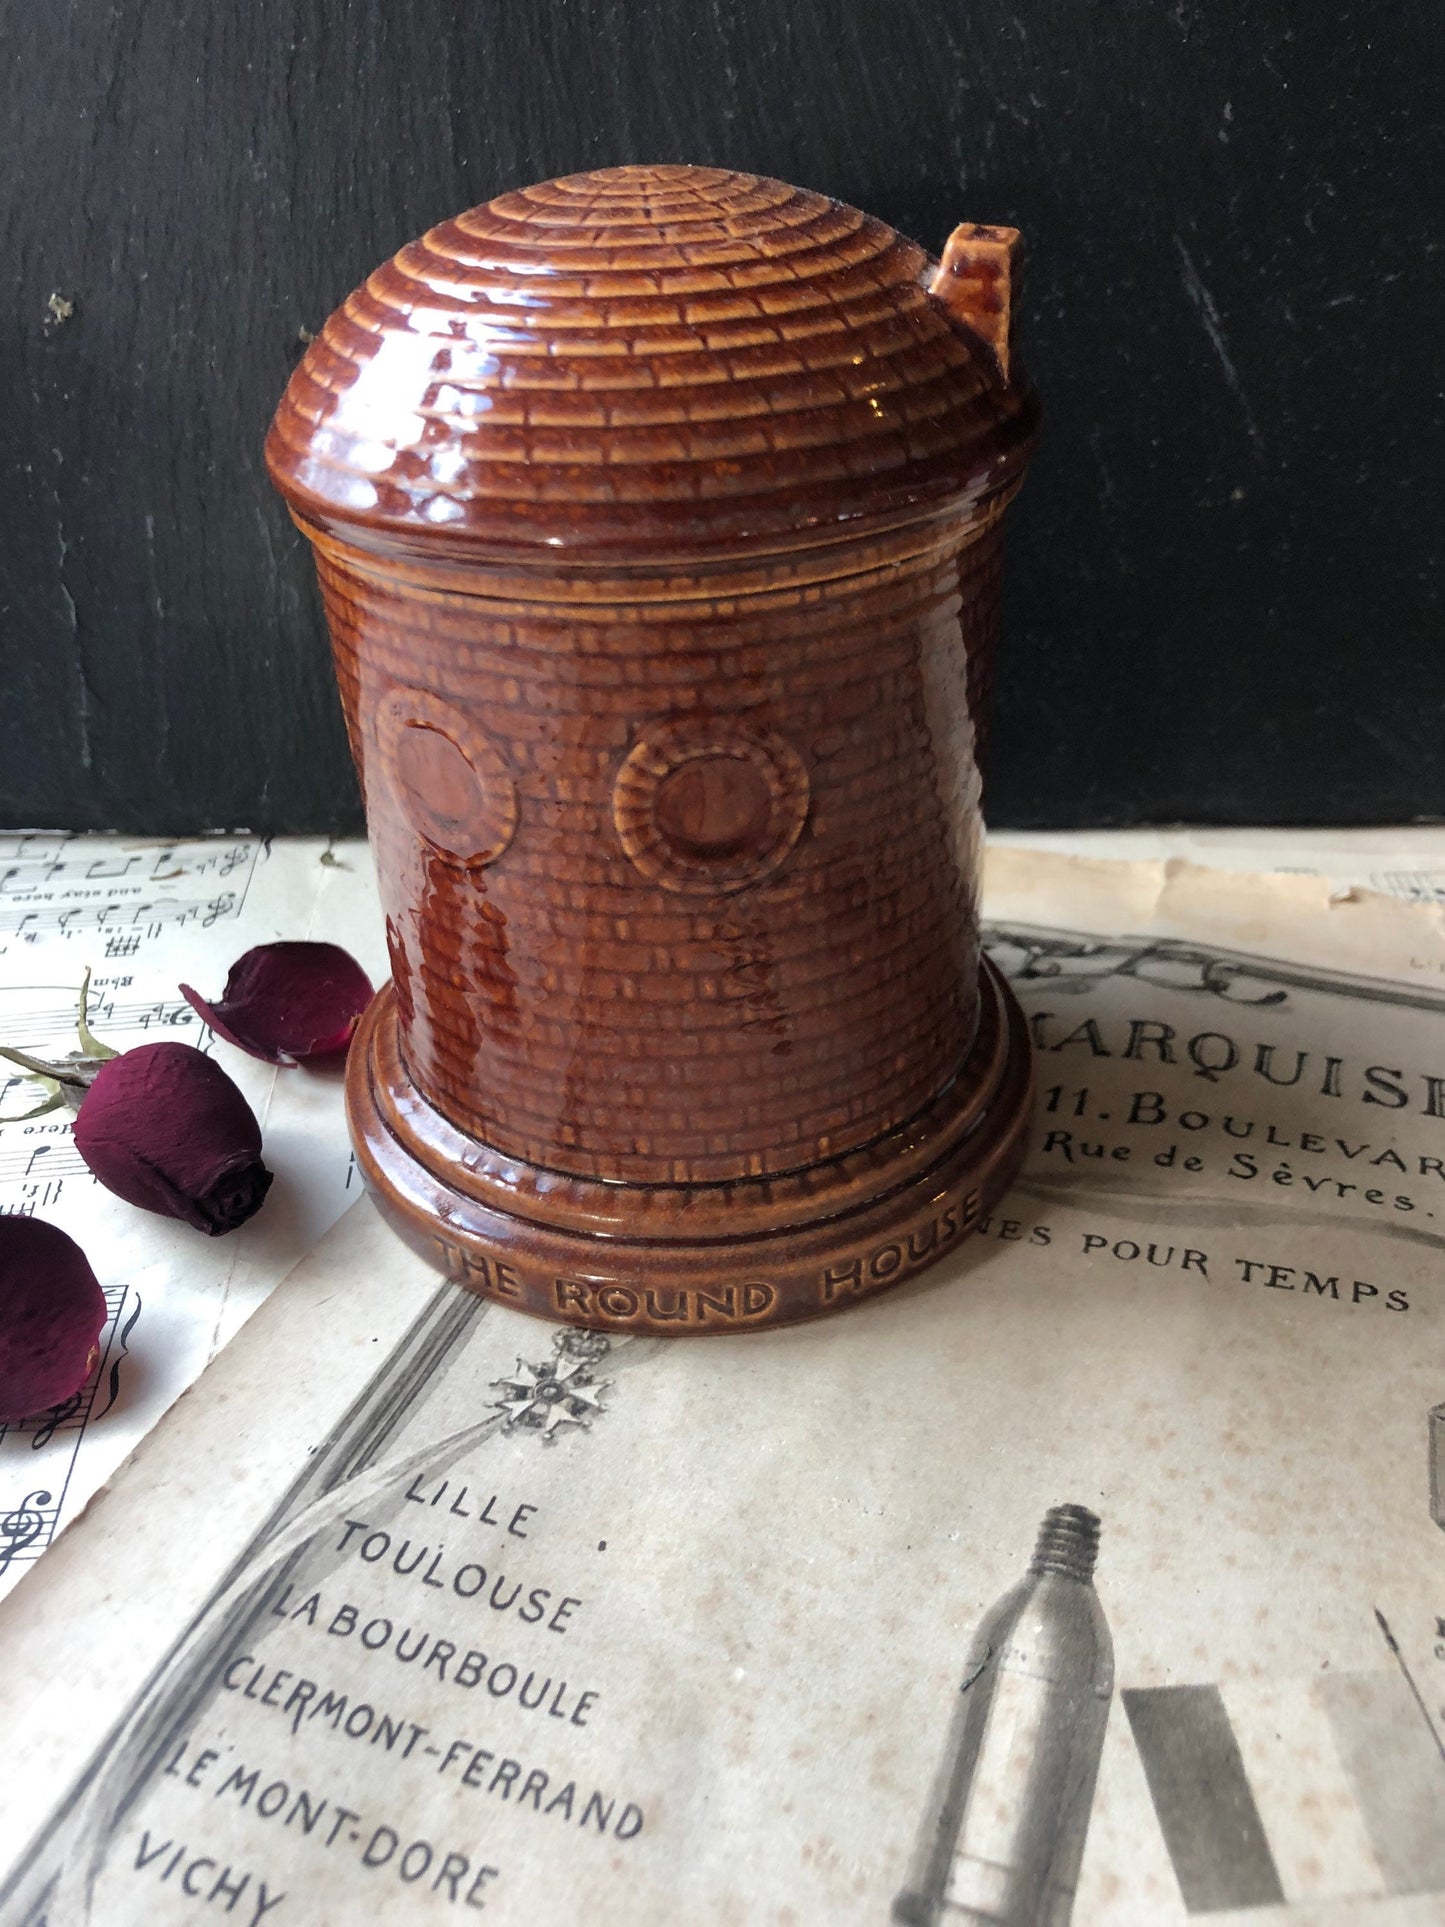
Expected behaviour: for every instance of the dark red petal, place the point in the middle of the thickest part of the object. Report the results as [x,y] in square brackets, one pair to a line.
[51,1313]
[210,1014]
[165,1128]
[285,1001]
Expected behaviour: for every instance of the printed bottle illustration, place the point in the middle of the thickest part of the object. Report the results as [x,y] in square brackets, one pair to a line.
[1010,1809]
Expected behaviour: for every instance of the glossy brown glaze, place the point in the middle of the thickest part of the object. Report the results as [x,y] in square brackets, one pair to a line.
[656,513]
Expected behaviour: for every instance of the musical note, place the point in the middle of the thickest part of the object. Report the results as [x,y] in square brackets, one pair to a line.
[20,1529]
[173,1013]
[35,1026]
[43,1196]
[68,907]
[61,1159]
[111,867]
[56,1416]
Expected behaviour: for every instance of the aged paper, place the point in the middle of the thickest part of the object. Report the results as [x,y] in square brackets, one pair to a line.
[1096,1574]
[142,916]
[1405,861]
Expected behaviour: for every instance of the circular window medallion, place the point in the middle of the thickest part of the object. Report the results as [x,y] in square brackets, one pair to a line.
[709,803]
[448,778]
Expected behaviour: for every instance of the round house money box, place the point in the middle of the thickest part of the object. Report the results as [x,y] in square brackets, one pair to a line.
[657,514]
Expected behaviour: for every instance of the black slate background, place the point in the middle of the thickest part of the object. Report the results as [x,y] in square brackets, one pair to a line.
[1224,583]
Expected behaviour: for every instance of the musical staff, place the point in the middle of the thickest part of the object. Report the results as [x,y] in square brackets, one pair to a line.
[50,1158]
[37,1455]
[28,1528]
[68,902]
[29,1025]
[149,917]
[33,862]
[143,916]
[54,886]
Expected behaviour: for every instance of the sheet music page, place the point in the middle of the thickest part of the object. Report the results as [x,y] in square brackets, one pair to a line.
[144,917]
[1095,1574]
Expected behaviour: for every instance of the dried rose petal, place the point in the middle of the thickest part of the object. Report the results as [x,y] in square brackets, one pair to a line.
[165,1128]
[51,1314]
[285,1001]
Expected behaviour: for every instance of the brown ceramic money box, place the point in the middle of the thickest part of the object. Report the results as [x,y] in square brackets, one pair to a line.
[657,516]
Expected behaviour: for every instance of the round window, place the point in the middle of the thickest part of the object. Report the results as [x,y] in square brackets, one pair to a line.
[449,780]
[709,804]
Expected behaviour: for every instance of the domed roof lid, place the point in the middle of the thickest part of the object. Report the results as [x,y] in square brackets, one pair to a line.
[644,362]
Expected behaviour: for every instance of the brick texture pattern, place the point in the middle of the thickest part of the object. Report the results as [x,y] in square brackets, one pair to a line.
[561,1005]
[636,459]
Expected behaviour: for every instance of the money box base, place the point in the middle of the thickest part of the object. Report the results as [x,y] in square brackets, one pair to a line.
[690,1259]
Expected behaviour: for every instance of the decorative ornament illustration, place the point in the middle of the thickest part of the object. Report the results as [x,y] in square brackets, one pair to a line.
[561,1390]
[1074,966]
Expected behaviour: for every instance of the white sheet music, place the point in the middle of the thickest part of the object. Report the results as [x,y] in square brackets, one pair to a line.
[143,916]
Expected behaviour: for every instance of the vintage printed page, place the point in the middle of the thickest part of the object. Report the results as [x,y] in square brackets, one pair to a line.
[1095,1574]
[143,916]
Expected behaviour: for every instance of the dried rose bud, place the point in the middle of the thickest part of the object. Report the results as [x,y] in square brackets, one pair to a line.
[165,1128]
[51,1314]
[285,1001]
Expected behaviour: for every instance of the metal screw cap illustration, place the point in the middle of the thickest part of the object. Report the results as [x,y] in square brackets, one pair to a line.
[1005,1833]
